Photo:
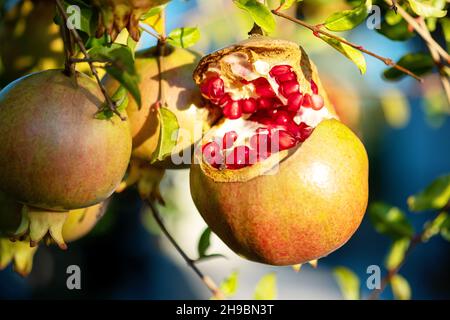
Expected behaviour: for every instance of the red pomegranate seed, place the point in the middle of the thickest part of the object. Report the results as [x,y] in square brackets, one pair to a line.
[211,153]
[213,88]
[263,88]
[260,140]
[232,110]
[305,131]
[314,88]
[282,118]
[225,99]
[260,143]
[265,103]
[279,70]
[288,88]
[229,139]
[317,102]
[249,105]
[238,158]
[307,101]
[295,101]
[294,129]
[286,77]
[286,140]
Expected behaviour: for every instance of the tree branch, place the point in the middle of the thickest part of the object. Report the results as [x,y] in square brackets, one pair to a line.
[79,41]
[209,283]
[417,239]
[144,26]
[421,31]
[317,30]
[437,61]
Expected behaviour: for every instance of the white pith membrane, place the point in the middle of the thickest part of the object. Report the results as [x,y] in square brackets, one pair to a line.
[264,108]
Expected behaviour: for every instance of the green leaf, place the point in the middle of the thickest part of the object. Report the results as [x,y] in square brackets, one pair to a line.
[435,197]
[348,19]
[419,63]
[445,23]
[129,81]
[266,289]
[436,226]
[286,4]
[184,37]
[427,8]
[431,24]
[230,285]
[400,288]
[204,242]
[445,229]
[348,283]
[120,66]
[396,32]
[168,134]
[120,98]
[87,21]
[152,12]
[351,53]
[390,221]
[396,253]
[259,12]
[392,18]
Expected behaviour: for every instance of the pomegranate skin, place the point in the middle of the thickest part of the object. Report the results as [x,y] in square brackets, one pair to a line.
[306,210]
[55,154]
[81,221]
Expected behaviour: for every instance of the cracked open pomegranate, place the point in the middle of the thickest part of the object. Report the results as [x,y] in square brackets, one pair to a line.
[280,180]
[182,96]
[56,156]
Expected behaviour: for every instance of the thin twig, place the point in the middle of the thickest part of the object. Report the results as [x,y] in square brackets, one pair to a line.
[144,26]
[437,61]
[209,283]
[77,38]
[421,31]
[69,68]
[317,30]
[81,60]
[417,239]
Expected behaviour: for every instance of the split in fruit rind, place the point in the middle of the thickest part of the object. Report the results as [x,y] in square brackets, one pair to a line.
[19,253]
[272,51]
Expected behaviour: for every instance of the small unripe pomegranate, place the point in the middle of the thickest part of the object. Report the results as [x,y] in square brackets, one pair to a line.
[56,156]
[181,95]
[291,185]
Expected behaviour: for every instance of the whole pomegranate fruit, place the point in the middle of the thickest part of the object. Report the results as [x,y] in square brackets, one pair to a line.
[280,180]
[56,156]
[181,95]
